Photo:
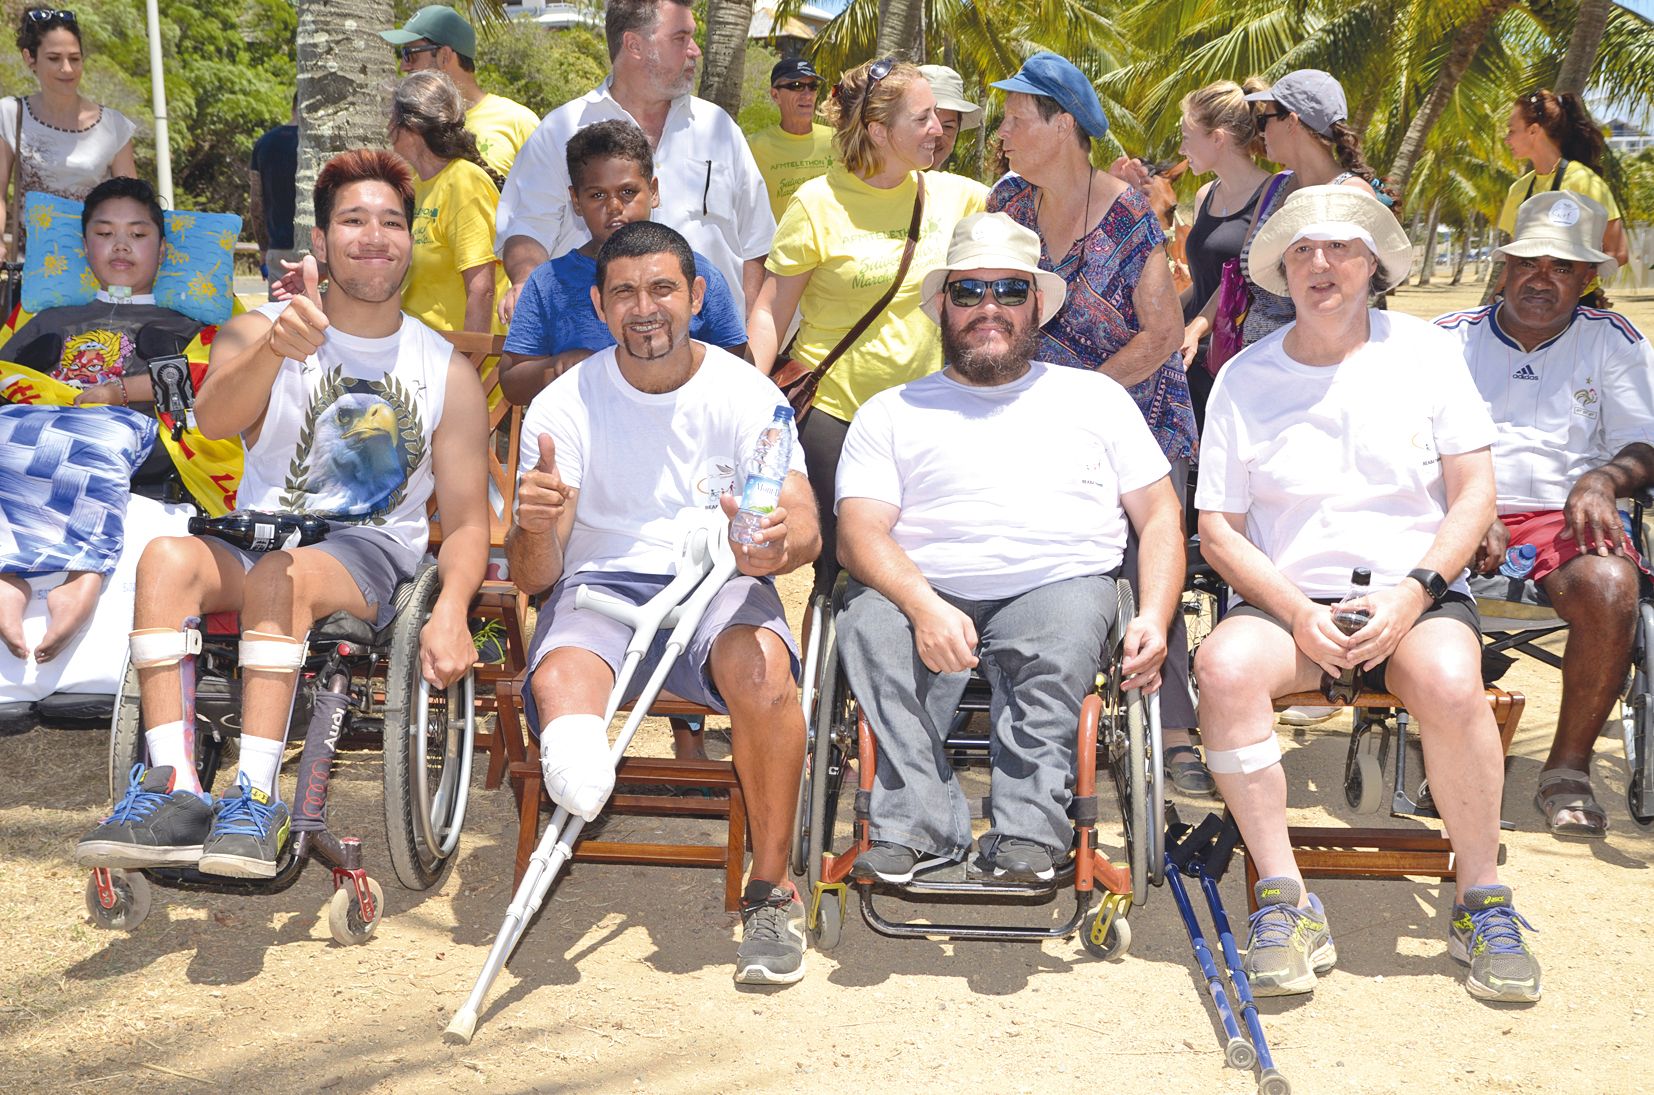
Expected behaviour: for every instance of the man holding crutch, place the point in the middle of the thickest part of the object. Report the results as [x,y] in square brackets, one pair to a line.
[613,453]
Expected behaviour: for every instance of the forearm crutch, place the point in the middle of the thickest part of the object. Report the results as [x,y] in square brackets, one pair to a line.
[703,568]
[1237,1051]
[1210,868]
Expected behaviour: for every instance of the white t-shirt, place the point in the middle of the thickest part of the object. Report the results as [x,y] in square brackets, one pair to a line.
[710,188]
[59,162]
[1339,466]
[1003,489]
[347,434]
[1562,409]
[639,459]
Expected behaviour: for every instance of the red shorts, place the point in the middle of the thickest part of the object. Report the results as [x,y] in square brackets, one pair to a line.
[1547,530]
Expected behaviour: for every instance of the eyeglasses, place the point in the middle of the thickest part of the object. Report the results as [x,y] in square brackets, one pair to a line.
[799,85]
[410,52]
[47,15]
[969,292]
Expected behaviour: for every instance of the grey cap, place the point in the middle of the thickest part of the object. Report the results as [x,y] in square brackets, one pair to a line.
[1313,95]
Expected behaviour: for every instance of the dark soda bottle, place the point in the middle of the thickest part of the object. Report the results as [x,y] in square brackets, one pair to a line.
[254,531]
[1349,617]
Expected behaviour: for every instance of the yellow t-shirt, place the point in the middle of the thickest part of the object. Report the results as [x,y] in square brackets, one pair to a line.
[501,126]
[789,160]
[1577,177]
[453,231]
[848,236]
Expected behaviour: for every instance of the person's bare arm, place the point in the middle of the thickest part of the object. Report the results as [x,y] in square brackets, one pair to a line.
[944,636]
[246,356]
[479,297]
[523,376]
[255,212]
[1613,241]
[752,280]
[1160,325]
[1592,509]
[6,156]
[123,392]
[770,316]
[1158,521]
[459,466]
[125,163]
[541,527]
[522,255]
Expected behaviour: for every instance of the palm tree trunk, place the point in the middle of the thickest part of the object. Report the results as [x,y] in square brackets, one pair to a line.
[727,23]
[1462,255]
[1581,57]
[1466,41]
[344,88]
[900,28]
[1427,268]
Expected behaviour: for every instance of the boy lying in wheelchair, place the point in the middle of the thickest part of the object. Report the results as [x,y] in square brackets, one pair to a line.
[983,516]
[350,411]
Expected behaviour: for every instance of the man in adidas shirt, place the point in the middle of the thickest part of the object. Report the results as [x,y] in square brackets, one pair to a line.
[1571,390]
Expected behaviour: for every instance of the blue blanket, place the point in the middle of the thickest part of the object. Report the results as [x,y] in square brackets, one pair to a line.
[65,474]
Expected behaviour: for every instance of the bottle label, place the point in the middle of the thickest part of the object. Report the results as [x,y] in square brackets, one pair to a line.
[1351,620]
[761,494]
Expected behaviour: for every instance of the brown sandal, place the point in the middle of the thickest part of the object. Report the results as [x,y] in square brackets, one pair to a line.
[1554,796]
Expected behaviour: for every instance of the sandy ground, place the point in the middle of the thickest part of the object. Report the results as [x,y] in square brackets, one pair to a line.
[624,981]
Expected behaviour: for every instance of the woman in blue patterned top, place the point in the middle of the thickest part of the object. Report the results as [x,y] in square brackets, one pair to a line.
[1121,317]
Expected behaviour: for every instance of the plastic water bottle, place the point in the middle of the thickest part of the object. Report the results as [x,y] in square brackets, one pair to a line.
[1349,618]
[1519,561]
[765,473]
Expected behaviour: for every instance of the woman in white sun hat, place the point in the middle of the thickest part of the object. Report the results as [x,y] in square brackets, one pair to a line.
[1351,438]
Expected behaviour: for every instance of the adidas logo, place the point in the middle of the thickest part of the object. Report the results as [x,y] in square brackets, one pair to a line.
[1525,373]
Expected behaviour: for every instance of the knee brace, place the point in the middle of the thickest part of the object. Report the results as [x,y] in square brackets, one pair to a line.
[577,764]
[271,653]
[1245,760]
[154,647]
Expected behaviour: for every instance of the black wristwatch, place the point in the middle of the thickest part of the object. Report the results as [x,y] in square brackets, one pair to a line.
[1433,583]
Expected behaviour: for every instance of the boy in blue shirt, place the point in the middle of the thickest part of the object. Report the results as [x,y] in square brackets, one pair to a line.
[555,325]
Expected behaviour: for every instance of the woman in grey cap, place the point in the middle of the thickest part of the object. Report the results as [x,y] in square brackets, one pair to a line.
[1121,317]
[1302,119]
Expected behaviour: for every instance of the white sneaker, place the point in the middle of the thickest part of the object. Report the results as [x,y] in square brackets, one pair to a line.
[1306,716]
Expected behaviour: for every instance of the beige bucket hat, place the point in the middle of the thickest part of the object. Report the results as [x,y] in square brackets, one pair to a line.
[1562,224]
[1330,213]
[993,241]
[949,88]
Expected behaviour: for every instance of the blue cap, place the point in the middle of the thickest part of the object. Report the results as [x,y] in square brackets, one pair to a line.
[1056,78]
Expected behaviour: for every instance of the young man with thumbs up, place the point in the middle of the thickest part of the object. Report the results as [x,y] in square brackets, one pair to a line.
[613,454]
[350,411]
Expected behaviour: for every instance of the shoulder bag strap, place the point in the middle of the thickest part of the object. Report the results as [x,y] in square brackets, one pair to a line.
[1561,170]
[1263,202]
[883,302]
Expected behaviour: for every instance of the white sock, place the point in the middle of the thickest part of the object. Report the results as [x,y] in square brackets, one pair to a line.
[261,760]
[171,744]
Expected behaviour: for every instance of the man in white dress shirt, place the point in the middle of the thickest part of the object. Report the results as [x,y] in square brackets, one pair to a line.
[710,187]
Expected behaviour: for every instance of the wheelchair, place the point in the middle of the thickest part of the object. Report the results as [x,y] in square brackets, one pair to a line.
[356,683]
[1118,728]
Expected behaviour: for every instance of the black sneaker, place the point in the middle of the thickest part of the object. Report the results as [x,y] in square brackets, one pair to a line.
[1021,861]
[151,826]
[894,863]
[772,939]
[248,834]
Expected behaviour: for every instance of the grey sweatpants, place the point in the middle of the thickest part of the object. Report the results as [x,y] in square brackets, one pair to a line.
[1039,652]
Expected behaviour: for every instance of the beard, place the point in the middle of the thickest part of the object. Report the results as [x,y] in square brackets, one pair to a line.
[652,345]
[672,83]
[988,368]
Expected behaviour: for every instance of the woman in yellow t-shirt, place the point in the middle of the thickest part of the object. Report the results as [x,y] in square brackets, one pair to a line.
[1564,150]
[838,246]
[454,279]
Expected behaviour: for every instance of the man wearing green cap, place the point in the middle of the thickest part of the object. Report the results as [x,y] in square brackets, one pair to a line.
[438,37]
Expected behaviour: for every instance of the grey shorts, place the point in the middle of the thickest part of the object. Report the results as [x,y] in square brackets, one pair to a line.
[743,601]
[376,562]
[1453,606]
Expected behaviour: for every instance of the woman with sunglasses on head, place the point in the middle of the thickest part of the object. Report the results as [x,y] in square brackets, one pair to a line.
[1564,149]
[1121,316]
[836,254]
[69,143]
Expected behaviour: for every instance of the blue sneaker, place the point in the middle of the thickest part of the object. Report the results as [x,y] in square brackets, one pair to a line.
[151,826]
[1487,937]
[248,833]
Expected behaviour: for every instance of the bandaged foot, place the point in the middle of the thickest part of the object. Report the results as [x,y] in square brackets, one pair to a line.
[578,768]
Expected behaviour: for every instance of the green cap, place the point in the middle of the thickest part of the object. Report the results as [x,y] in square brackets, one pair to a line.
[439,24]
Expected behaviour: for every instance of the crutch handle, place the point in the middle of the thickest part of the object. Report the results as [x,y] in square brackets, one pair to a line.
[606,603]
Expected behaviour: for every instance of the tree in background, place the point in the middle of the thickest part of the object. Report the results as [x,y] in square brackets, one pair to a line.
[724,64]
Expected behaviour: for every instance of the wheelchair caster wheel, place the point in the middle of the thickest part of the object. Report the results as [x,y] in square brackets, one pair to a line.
[1639,801]
[829,925]
[129,896]
[1239,1054]
[1364,785]
[1110,940]
[1273,1083]
[344,915]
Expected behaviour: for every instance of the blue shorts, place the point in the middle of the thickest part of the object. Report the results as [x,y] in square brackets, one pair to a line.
[742,602]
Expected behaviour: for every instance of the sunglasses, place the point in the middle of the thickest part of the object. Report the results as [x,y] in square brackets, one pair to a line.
[969,292]
[799,85]
[47,15]
[1265,117]
[877,71]
[408,53]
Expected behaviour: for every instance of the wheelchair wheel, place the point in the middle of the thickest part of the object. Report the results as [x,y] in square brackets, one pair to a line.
[818,637]
[1638,713]
[428,750]
[1131,741]
[830,750]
